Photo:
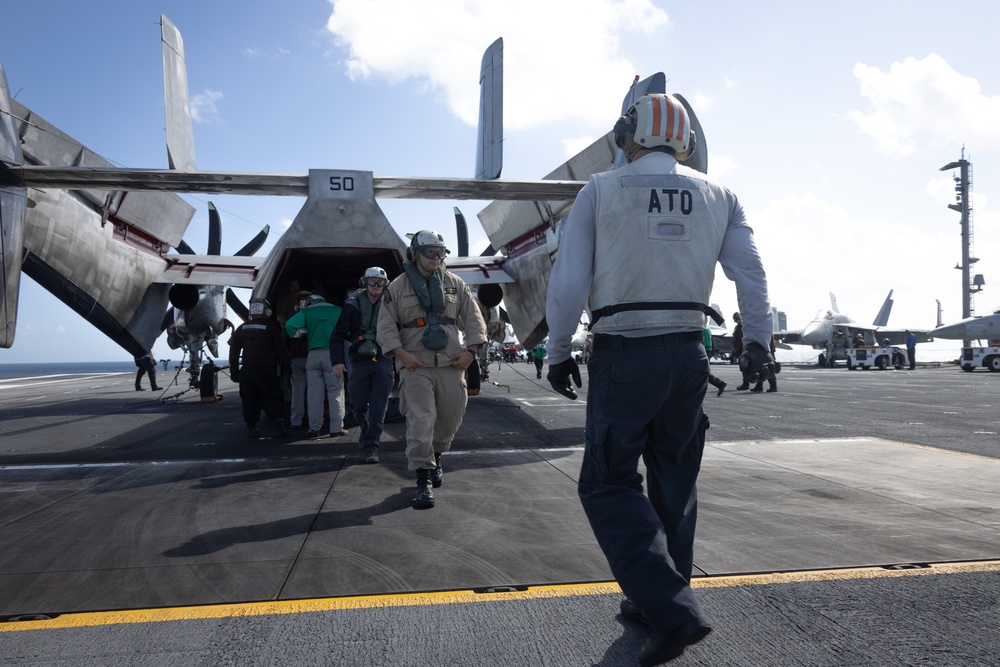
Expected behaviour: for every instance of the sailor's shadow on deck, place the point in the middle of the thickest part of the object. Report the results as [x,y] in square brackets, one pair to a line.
[217,540]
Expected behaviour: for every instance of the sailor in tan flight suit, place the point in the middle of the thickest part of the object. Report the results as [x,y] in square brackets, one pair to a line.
[419,326]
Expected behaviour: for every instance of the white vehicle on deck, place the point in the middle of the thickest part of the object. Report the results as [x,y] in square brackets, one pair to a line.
[877,357]
[979,357]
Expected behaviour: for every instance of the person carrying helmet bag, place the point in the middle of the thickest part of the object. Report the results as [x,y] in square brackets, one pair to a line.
[418,325]
[370,377]
[317,321]
[265,361]
[640,246]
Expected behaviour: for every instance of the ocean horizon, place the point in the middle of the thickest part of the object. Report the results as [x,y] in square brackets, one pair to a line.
[72,368]
[938,351]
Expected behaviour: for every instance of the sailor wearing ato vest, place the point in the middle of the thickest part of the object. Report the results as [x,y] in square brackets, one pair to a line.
[640,245]
[369,372]
[419,326]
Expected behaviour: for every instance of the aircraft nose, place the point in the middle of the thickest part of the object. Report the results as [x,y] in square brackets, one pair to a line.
[949,331]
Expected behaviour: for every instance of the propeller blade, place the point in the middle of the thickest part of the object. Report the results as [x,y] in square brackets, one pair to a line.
[462,230]
[214,230]
[255,243]
[234,302]
[184,249]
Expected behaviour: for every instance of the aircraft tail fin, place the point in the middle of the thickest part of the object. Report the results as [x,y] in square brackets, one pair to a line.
[180,136]
[833,303]
[882,319]
[489,145]
[12,206]
[940,321]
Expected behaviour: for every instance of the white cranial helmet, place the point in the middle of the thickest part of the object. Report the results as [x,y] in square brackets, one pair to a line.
[376,272]
[656,120]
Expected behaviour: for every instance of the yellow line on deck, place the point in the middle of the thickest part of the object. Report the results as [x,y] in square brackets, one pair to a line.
[281,607]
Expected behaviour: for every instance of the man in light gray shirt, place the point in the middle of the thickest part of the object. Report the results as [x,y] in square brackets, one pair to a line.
[640,246]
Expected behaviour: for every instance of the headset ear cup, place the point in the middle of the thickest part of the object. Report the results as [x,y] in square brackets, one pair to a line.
[692,147]
[619,132]
[623,126]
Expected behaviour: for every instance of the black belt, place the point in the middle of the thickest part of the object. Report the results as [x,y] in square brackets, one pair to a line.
[608,341]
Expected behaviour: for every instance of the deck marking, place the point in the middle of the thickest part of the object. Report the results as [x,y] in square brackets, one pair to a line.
[284,607]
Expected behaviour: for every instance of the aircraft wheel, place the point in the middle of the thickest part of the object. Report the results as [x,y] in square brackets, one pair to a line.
[821,361]
[993,363]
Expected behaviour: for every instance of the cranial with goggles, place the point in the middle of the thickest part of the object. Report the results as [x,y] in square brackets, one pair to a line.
[375,276]
[428,244]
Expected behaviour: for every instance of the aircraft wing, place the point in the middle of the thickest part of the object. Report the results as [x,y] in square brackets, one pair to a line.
[898,336]
[294,185]
[479,270]
[219,270]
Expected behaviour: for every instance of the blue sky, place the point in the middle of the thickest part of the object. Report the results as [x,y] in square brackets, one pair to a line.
[830,122]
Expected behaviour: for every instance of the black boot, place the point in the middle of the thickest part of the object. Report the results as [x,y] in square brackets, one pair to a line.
[425,495]
[278,428]
[437,475]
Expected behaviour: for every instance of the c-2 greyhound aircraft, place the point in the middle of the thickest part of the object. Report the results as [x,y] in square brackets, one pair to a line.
[99,237]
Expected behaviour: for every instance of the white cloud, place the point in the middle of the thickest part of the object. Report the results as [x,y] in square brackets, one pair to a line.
[920,100]
[274,53]
[564,45]
[721,166]
[573,146]
[701,101]
[203,107]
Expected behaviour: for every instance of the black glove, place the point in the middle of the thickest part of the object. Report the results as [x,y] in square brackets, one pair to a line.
[560,374]
[756,363]
[234,374]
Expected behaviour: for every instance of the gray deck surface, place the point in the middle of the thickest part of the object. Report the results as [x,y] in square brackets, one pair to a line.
[110,500]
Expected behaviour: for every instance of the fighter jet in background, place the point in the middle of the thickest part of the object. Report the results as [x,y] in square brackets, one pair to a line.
[980,327]
[833,332]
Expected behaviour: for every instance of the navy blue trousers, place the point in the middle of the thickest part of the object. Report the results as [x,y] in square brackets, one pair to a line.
[368,386]
[647,402]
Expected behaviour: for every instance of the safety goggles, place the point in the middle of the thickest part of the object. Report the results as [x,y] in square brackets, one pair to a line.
[376,282]
[433,252]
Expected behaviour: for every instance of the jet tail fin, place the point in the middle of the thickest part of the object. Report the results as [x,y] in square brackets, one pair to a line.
[833,303]
[939,320]
[882,319]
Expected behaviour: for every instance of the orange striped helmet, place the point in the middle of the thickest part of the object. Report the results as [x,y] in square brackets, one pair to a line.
[656,120]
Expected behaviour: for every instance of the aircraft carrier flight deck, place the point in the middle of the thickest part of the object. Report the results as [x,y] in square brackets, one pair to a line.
[851,518]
